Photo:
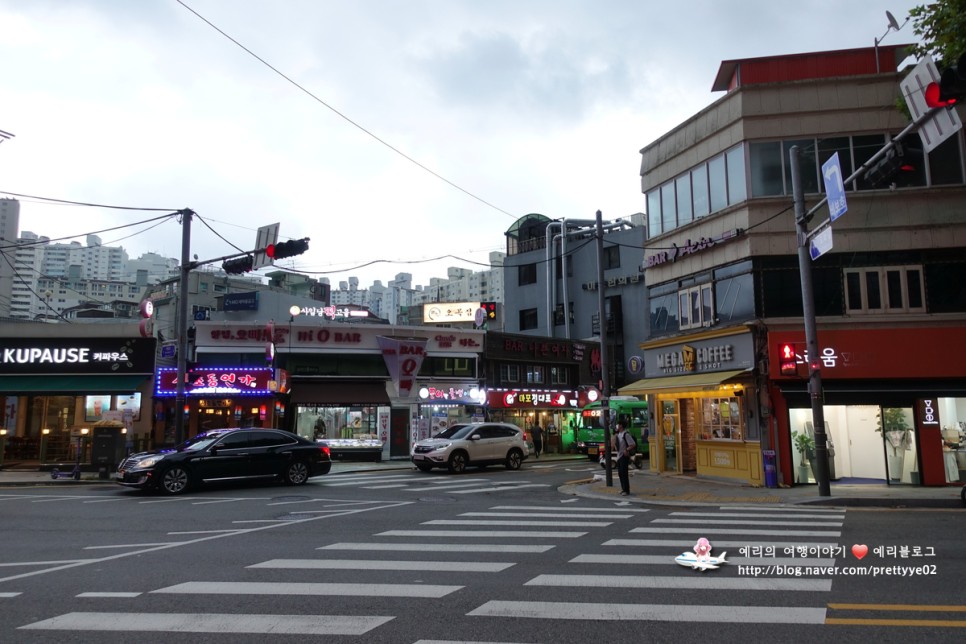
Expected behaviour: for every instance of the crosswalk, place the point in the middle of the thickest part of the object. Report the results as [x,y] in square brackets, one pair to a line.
[622,548]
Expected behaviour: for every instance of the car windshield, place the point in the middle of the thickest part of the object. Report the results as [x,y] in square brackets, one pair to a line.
[456,431]
[199,442]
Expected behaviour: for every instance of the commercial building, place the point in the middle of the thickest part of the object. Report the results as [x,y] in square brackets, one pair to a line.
[725,290]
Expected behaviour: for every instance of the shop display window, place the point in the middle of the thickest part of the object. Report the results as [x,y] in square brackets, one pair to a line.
[721,419]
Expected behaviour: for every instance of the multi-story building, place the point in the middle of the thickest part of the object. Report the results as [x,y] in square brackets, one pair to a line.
[551,285]
[725,289]
[9,225]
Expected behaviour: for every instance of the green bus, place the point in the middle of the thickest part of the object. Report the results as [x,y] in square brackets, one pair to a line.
[630,411]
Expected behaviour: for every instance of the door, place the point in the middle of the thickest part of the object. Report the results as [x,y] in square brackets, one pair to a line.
[399,432]
[865,443]
[228,458]
[270,453]
[670,447]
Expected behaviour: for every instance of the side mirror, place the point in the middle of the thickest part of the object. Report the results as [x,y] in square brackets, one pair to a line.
[475,437]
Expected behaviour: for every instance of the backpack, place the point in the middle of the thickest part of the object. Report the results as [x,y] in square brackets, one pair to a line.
[630,444]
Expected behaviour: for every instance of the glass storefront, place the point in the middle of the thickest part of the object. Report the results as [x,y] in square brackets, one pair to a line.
[336,421]
[869,443]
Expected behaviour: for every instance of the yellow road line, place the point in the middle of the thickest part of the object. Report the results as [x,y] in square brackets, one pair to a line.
[931,623]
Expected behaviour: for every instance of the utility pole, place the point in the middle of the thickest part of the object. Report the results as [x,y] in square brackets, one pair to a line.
[186,266]
[820,467]
[604,377]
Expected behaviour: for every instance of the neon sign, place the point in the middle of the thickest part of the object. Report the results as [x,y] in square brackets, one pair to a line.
[240,381]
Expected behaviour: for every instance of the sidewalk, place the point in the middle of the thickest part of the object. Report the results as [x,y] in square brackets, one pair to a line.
[648,488]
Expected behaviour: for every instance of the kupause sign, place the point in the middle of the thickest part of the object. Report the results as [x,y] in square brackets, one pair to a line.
[76,356]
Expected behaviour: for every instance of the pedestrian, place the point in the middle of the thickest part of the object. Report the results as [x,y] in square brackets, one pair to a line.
[625,451]
[537,435]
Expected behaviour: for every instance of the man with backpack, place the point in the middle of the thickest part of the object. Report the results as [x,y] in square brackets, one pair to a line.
[626,446]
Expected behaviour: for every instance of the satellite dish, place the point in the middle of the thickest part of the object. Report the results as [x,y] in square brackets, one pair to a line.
[892,21]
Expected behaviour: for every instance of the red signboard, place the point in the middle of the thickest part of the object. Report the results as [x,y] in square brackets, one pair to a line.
[918,352]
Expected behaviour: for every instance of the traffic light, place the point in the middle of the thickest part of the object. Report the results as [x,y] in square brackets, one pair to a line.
[490,308]
[238,265]
[886,167]
[288,248]
[951,87]
[787,359]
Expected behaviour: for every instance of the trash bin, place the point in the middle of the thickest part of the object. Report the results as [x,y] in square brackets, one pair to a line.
[771,474]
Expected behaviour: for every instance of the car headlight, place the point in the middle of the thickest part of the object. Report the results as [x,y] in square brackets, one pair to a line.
[149,462]
[437,448]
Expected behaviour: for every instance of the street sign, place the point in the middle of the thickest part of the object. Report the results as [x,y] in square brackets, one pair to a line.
[169,349]
[834,187]
[266,235]
[944,121]
[821,243]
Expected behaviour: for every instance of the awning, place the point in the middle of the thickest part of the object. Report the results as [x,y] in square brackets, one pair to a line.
[342,392]
[681,383]
[71,384]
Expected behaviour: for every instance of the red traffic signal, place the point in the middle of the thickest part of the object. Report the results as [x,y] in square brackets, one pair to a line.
[490,308]
[787,359]
[288,248]
[951,86]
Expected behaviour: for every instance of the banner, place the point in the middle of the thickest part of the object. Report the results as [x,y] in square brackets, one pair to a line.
[403,359]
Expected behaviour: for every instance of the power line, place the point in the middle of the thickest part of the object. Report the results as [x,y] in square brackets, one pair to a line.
[344,117]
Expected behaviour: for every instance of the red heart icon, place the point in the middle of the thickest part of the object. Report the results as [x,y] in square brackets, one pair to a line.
[860,550]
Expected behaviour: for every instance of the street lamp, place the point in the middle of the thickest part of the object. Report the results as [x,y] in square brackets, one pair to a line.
[3,443]
[44,436]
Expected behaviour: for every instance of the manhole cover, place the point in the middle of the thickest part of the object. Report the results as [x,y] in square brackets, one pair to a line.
[437,499]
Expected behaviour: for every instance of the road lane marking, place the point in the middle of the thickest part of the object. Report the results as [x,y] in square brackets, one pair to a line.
[556,508]
[665,559]
[108,595]
[500,488]
[548,515]
[437,547]
[212,623]
[433,591]
[754,515]
[378,564]
[702,582]
[733,531]
[837,524]
[532,524]
[651,612]
[639,543]
[913,608]
[501,534]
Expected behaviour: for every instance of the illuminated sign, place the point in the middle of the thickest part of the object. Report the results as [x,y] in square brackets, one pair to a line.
[530,398]
[211,381]
[468,395]
[435,312]
[77,355]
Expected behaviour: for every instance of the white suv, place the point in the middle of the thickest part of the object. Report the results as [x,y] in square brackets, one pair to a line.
[472,444]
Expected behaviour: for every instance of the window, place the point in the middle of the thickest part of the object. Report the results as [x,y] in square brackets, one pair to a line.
[699,191]
[528,319]
[893,289]
[737,190]
[612,257]
[668,209]
[682,189]
[806,162]
[721,419]
[509,373]
[569,263]
[535,375]
[766,169]
[558,314]
[559,376]
[527,274]
[696,306]
[654,213]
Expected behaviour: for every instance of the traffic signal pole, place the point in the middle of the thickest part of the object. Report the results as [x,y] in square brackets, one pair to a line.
[186,266]
[604,377]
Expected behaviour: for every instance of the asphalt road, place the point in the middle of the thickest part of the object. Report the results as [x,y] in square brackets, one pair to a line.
[489,556]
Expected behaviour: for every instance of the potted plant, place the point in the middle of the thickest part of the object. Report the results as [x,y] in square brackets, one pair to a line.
[805,445]
[894,427]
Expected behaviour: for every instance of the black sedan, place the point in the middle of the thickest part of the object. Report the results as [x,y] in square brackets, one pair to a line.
[226,455]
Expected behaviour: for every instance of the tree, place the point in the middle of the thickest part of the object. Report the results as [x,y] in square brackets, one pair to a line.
[942,27]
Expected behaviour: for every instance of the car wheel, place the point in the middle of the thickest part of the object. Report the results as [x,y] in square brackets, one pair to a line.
[422,467]
[174,480]
[514,459]
[297,473]
[457,462]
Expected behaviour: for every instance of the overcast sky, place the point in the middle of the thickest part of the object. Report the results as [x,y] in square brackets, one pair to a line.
[503,108]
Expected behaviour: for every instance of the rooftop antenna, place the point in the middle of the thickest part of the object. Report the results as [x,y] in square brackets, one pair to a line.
[893,26]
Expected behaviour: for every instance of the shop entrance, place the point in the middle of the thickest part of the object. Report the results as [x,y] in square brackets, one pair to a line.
[670,447]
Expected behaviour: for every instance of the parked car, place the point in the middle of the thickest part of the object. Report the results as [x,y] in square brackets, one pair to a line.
[226,455]
[472,444]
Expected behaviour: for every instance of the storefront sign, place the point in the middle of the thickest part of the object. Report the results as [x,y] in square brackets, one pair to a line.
[436,313]
[467,395]
[689,359]
[241,381]
[529,398]
[403,358]
[900,352]
[77,356]
[241,301]
[690,248]
[623,280]
[927,413]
